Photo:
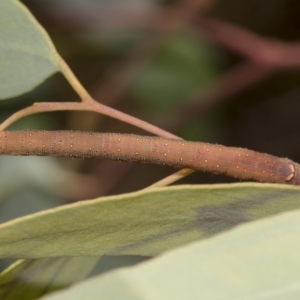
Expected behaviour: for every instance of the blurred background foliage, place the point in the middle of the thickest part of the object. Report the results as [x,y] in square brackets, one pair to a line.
[175,64]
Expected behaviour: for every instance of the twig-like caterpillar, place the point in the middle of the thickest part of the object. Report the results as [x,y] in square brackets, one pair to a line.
[235,162]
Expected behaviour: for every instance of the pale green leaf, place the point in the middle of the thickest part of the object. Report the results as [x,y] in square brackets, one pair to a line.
[256,261]
[30,279]
[27,55]
[142,223]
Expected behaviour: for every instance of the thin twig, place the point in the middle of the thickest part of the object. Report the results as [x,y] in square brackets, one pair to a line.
[171,178]
[89,105]
[72,79]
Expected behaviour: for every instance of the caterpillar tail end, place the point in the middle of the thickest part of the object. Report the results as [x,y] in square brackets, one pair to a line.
[294,177]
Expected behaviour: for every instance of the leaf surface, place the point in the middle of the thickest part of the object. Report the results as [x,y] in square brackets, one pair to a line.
[258,260]
[30,279]
[27,55]
[142,223]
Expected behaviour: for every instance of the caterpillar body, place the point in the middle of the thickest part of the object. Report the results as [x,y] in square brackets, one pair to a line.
[235,162]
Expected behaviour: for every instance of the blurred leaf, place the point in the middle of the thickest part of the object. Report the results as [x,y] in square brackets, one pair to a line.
[183,65]
[27,55]
[30,279]
[40,172]
[259,260]
[142,223]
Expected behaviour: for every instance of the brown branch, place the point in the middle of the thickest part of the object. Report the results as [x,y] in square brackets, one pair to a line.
[260,50]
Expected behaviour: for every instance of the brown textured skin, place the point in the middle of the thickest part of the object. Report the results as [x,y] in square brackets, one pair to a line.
[235,162]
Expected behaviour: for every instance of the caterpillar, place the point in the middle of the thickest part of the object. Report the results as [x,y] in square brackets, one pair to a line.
[235,162]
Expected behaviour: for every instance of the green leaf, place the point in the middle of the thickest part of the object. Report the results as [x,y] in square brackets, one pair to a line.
[184,64]
[27,55]
[259,260]
[142,223]
[30,279]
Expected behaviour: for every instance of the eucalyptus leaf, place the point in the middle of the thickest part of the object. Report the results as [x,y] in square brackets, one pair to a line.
[142,223]
[30,279]
[258,260]
[27,55]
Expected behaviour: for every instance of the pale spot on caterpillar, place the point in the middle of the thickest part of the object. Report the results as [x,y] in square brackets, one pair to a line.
[207,149]
[206,160]
[166,144]
[165,154]
[119,149]
[292,175]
